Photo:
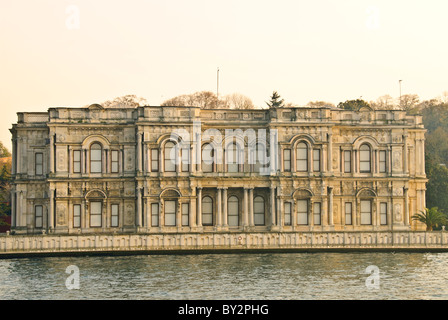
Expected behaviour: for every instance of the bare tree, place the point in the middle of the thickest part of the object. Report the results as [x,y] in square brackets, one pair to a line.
[238,101]
[409,101]
[320,104]
[209,100]
[384,102]
[127,101]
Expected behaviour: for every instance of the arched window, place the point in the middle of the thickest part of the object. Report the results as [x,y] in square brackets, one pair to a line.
[233,211]
[364,158]
[259,211]
[96,158]
[233,158]
[302,157]
[207,211]
[170,156]
[208,156]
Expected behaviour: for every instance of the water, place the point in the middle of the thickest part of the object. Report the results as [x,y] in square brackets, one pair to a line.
[286,276]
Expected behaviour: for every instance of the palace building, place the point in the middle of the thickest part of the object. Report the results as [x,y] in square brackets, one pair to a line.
[185,169]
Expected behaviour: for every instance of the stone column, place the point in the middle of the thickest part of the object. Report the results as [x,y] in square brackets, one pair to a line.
[138,219]
[329,152]
[13,209]
[245,208]
[251,207]
[51,213]
[278,208]
[224,208]
[219,205]
[406,206]
[273,213]
[83,213]
[139,152]
[405,154]
[199,206]
[330,206]
[51,153]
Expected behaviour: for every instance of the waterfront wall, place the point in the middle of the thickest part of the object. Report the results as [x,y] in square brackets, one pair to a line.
[22,245]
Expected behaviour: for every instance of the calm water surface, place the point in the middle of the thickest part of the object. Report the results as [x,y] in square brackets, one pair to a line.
[229,276]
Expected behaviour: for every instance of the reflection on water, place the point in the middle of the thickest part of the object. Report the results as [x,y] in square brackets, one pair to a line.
[229,276]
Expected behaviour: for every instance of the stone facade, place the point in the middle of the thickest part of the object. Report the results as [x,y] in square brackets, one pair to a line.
[186,169]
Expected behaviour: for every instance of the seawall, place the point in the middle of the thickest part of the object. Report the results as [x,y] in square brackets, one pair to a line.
[12,246]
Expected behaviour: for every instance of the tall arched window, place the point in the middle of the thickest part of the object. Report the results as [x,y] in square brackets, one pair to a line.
[208,155]
[364,158]
[170,155]
[233,158]
[259,211]
[233,211]
[207,211]
[96,158]
[302,157]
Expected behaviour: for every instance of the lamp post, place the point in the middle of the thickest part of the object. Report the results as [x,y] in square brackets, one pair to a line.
[399,82]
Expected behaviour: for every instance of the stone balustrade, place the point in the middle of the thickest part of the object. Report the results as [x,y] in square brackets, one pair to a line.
[22,245]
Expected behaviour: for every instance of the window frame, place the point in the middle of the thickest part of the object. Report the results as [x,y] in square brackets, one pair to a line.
[39,165]
[302,161]
[257,213]
[93,161]
[207,213]
[100,214]
[114,215]
[365,162]
[38,219]
[114,162]
[76,215]
[76,162]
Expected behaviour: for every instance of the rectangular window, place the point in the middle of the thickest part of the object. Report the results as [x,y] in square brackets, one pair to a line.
[170,213]
[383,213]
[76,161]
[185,167]
[317,213]
[302,212]
[95,214]
[316,160]
[288,211]
[154,214]
[287,160]
[39,161]
[114,215]
[154,160]
[347,161]
[348,213]
[366,212]
[382,164]
[185,214]
[76,216]
[114,161]
[38,212]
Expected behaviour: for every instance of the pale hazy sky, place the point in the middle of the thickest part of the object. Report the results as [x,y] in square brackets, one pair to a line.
[78,52]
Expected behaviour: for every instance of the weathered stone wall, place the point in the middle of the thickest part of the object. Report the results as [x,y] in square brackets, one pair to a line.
[22,245]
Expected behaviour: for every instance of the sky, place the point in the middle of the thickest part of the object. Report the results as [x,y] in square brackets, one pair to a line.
[78,52]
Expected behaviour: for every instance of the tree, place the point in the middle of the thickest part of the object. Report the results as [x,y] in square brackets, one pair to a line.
[320,104]
[209,100]
[432,218]
[275,101]
[384,102]
[238,101]
[353,104]
[5,189]
[127,101]
[409,101]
